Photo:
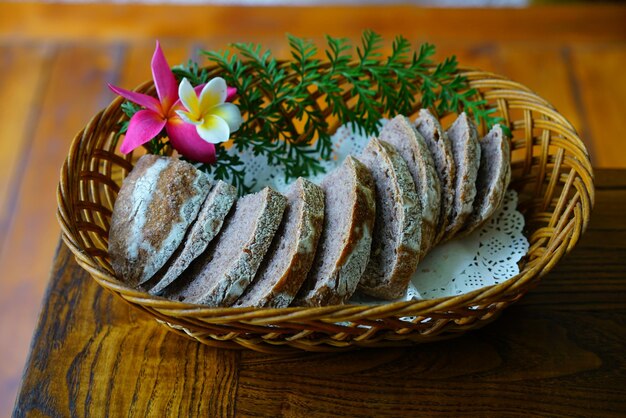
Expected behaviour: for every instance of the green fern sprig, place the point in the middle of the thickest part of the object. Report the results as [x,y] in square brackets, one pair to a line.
[279,100]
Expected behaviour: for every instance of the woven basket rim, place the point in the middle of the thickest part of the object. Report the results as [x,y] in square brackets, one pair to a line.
[505,291]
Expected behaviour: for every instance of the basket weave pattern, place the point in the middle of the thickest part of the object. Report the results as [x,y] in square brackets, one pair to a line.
[551,172]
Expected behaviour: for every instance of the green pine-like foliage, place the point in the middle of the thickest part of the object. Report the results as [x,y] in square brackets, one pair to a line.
[271,94]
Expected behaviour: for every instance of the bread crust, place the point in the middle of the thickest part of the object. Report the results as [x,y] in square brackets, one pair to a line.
[412,146]
[157,202]
[271,291]
[222,288]
[494,176]
[440,147]
[381,279]
[339,285]
[463,136]
[207,225]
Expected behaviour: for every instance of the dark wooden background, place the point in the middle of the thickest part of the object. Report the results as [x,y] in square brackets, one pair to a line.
[55,61]
[557,352]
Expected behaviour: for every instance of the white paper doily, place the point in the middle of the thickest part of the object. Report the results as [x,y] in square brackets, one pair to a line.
[345,142]
[488,256]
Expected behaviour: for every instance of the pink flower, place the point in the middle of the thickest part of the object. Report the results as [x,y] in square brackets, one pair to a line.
[158,114]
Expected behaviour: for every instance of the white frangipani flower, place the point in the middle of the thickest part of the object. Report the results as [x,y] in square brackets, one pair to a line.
[215,119]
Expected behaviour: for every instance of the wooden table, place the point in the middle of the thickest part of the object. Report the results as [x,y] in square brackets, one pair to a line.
[559,351]
[55,61]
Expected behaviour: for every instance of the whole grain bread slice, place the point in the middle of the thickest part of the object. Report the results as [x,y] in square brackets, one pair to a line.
[463,136]
[441,150]
[396,239]
[221,274]
[291,254]
[344,247]
[412,146]
[493,177]
[157,202]
[209,222]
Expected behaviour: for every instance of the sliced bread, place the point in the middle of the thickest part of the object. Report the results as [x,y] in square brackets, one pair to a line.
[493,178]
[344,247]
[221,274]
[157,202]
[441,150]
[396,240]
[463,136]
[412,146]
[209,222]
[292,251]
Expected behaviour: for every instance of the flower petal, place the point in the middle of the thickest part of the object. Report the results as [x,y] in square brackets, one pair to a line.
[230,113]
[213,94]
[214,129]
[230,93]
[144,100]
[163,79]
[185,139]
[188,117]
[189,98]
[143,126]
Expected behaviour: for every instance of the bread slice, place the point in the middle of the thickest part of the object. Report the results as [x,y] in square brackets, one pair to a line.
[441,150]
[157,202]
[220,275]
[344,247]
[411,145]
[493,178]
[463,136]
[396,240]
[209,222]
[290,256]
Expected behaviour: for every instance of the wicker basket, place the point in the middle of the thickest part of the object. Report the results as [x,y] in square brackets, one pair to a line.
[550,171]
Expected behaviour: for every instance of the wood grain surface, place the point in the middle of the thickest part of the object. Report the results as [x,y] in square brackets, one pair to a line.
[55,61]
[558,352]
